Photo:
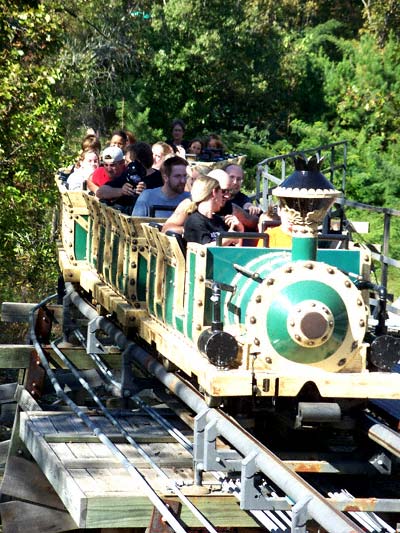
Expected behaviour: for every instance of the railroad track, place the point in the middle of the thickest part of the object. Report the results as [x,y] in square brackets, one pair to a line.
[267,487]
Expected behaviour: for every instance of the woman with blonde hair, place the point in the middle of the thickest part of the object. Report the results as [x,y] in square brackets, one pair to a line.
[203,225]
[87,163]
[161,151]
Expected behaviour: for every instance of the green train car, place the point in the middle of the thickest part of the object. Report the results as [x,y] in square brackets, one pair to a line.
[238,321]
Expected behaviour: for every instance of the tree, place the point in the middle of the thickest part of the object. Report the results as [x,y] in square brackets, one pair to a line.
[29,140]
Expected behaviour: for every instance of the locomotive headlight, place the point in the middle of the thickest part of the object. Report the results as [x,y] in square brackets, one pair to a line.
[219,347]
[311,323]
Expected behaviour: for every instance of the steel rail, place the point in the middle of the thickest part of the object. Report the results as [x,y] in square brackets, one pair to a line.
[149,491]
[268,519]
[291,483]
[384,436]
[109,377]
[116,423]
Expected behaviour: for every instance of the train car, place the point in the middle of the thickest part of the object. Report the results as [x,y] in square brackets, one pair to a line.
[239,322]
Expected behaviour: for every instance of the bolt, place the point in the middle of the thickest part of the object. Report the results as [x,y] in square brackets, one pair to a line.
[330,270]
[257,342]
[347,283]
[268,360]
[253,320]
[258,299]
[362,323]
[270,281]
[342,361]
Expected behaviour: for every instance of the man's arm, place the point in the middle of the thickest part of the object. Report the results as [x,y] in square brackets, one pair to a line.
[106,192]
[249,221]
[91,186]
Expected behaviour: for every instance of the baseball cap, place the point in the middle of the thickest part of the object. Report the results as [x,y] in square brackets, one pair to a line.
[113,154]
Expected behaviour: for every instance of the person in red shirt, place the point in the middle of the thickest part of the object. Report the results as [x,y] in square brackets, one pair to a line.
[114,166]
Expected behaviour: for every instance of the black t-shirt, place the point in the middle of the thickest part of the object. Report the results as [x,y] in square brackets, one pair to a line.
[227,209]
[117,183]
[199,228]
[152,181]
[240,199]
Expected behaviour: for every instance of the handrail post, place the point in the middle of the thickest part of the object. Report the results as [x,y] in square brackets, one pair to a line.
[386,236]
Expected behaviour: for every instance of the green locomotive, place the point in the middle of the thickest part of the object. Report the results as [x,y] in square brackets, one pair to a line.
[239,321]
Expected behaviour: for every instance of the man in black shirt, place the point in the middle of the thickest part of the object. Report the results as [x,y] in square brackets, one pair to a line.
[236,176]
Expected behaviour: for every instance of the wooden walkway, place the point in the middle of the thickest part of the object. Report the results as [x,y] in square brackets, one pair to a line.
[96,490]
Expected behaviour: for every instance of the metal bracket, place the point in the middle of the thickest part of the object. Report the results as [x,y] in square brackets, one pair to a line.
[300,515]
[93,344]
[251,497]
[206,457]
[382,463]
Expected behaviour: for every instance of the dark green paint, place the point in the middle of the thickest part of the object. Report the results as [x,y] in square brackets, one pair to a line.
[80,240]
[276,321]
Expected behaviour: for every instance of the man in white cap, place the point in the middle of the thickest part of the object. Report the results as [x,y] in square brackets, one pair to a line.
[114,166]
[229,208]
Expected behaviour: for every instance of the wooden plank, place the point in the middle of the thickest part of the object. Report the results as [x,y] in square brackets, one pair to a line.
[175,462]
[15,355]
[18,356]
[69,492]
[115,438]
[101,493]
[24,480]
[21,517]
[82,360]
[20,312]
[4,445]
[25,400]
[7,392]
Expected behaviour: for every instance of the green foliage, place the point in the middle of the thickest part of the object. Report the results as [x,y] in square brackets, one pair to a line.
[30,137]
[362,90]
[138,122]
[270,76]
[382,19]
